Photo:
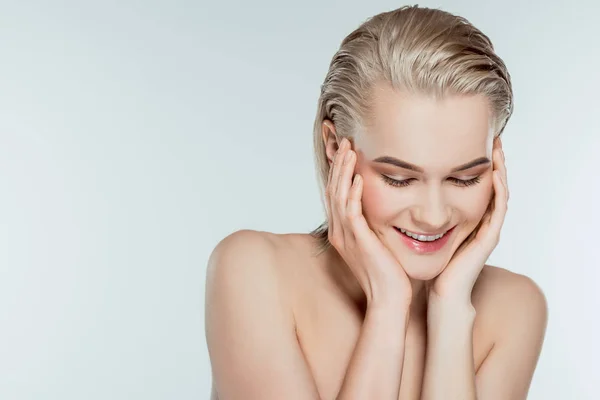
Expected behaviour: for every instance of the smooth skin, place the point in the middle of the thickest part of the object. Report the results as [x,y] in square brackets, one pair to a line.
[356,322]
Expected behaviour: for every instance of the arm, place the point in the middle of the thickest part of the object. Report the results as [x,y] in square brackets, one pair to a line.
[375,369]
[250,331]
[449,370]
[507,371]
[251,336]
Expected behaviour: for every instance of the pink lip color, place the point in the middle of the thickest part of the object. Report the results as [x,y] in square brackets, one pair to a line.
[425,247]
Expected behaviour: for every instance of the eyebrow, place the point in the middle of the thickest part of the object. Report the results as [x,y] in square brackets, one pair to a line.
[406,165]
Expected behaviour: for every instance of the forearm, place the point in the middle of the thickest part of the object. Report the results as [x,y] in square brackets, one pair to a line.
[449,370]
[375,368]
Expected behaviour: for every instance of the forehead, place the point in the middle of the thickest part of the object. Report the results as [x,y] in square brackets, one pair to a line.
[428,132]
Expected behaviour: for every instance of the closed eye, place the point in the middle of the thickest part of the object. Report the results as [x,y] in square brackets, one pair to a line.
[466,182]
[406,182]
[395,182]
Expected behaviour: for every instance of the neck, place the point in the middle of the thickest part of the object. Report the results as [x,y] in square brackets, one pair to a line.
[418,305]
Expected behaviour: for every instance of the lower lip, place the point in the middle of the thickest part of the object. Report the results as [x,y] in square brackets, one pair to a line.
[425,247]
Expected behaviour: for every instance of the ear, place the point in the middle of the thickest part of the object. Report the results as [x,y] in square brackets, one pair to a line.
[330,139]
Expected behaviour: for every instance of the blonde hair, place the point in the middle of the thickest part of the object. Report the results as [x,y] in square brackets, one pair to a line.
[415,49]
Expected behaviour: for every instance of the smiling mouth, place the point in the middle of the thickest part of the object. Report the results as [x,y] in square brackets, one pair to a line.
[430,245]
[425,238]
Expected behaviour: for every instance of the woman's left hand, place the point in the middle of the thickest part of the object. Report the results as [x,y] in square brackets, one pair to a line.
[459,276]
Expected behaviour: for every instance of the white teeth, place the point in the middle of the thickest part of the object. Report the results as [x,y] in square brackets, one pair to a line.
[422,238]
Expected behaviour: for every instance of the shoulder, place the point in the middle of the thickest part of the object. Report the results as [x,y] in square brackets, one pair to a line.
[512,310]
[508,299]
[249,323]
[240,243]
[248,262]
[246,253]
[501,284]
[243,282]
[251,249]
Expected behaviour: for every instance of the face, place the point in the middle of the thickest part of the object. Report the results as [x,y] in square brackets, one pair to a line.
[426,168]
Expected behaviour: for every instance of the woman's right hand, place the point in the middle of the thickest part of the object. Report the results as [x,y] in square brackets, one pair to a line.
[380,275]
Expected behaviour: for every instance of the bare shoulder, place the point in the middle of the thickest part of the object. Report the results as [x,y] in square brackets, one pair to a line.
[512,313]
[244,253]
[257,250]
[249,324]
[499,283]
[243,241]
[252,261]
[504,298]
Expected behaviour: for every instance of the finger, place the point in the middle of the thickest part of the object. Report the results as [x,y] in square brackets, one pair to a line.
[504,174]
[328,183]
[330,173]
[359,227]
[354,209]
[488,217]
[337,164]
[343,192]
[497,143]
[335,211]
[345,180]
[502,163]
[497,159]
[499,213]
[329,196]
[338,193]
[483,227]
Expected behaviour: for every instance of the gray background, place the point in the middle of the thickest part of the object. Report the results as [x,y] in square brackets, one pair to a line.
[135,135]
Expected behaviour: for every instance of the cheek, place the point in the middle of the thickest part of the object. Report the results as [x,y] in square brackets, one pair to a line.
[476,201]
[379,203]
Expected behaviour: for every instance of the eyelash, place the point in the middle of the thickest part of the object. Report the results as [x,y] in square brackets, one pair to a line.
[406,182]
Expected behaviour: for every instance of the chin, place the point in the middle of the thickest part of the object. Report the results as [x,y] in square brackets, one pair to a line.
[425,266]
[423,270]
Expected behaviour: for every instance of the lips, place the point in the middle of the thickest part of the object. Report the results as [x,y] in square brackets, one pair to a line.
[425,247]
[424,234]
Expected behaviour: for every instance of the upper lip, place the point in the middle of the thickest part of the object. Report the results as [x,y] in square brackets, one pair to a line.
[426,234]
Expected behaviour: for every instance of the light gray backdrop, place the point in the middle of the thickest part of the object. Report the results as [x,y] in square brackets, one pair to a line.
[134,135]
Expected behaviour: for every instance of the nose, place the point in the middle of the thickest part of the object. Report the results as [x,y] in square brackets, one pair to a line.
[432,213]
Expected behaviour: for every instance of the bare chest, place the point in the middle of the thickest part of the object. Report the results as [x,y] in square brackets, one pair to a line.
[328,329]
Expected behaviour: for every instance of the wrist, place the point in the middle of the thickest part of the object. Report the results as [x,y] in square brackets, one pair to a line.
[390,317]
[450,309]
[459,303]
[390,300]
[388,291]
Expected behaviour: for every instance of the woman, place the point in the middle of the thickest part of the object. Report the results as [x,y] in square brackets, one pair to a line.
[390,298]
